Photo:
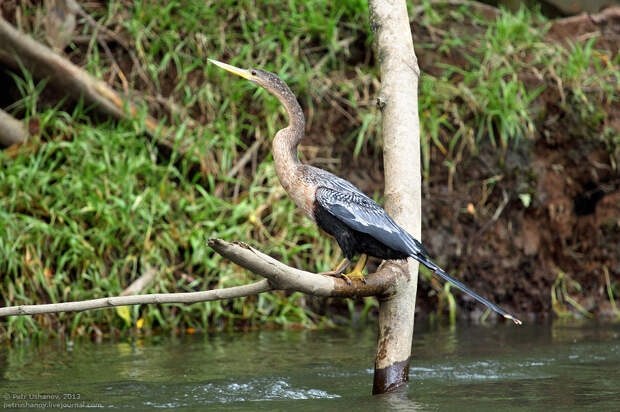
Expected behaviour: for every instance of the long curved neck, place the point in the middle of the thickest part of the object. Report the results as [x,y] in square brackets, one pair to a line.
[286,140]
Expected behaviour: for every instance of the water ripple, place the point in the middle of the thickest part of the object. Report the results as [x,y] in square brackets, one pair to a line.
[262,389]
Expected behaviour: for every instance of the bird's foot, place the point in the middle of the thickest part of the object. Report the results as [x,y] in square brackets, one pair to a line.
[357,270]
[354,274]
[337,271]
[337,275]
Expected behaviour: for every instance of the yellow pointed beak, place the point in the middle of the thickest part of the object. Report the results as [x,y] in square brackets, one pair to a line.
[234,70]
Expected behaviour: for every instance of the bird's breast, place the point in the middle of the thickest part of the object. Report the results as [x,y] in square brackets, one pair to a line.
[303,194]
[294,177]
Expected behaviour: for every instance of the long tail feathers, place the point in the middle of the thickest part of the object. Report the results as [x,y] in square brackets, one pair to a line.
[436,269]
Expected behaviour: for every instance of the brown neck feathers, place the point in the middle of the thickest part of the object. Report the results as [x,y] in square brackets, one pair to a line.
[286,140]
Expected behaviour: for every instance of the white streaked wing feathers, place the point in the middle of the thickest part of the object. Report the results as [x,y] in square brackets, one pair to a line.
[363,214]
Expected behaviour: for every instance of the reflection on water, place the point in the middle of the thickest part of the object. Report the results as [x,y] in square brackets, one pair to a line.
[466,367]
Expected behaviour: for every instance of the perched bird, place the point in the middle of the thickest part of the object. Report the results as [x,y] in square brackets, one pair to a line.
[358,223]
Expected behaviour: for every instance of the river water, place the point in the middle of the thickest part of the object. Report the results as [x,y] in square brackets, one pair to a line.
[465,367]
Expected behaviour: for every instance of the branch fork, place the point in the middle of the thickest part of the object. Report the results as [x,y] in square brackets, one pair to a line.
[284,277]
[277,276]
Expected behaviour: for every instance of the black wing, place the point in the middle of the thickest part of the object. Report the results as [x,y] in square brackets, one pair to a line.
[363,214]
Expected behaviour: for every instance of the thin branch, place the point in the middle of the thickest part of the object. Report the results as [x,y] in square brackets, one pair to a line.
[190,297]
[98,28]
[494,218]
[140,283]
[77,9]
[278,276]
[247,156]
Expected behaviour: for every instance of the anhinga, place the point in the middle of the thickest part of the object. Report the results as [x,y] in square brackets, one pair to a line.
[360,226]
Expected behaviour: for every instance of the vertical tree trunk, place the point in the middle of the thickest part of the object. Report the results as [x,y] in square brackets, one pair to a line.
[398,101]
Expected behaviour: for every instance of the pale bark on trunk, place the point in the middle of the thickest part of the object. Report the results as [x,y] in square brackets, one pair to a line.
[398,101]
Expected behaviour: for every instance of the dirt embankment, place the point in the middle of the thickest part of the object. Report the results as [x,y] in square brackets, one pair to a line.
[563,237]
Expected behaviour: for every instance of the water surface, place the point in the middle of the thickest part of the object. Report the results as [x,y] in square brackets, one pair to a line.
[466,367]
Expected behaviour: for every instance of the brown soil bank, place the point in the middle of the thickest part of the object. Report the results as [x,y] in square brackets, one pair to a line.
[541,233]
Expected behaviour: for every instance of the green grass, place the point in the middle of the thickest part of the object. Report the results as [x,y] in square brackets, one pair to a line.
[492,98]
[86,213]
[90,203]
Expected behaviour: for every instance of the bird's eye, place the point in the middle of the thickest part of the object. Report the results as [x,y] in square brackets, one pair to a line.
[253,72]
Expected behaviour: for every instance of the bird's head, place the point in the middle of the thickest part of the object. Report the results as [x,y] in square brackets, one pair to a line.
[263,78]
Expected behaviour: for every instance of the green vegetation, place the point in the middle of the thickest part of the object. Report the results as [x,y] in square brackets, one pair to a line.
[88,204]
[561,299]
[492,95]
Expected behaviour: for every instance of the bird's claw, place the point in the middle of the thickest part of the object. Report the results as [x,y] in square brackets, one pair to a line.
[346,277]
[354,274]
[336,274]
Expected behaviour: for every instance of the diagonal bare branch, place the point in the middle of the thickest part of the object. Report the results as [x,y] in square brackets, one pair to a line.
[278,276]
[285,277]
